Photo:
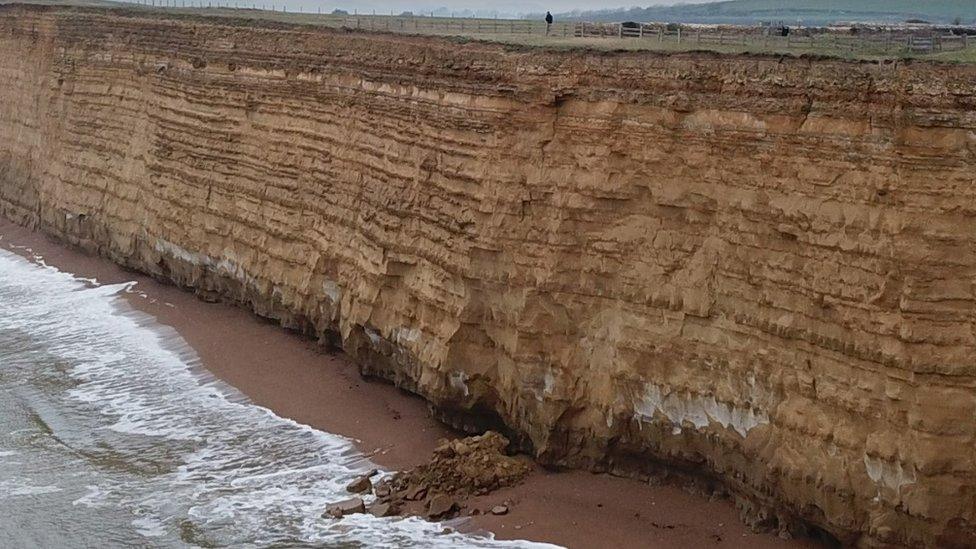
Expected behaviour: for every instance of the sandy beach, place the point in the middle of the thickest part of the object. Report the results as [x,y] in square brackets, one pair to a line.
[298,379]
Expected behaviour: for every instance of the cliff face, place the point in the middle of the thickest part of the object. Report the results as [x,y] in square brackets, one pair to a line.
[758,270]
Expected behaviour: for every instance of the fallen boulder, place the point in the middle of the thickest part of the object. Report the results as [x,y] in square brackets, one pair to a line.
[345,507]
[464,467]
[360,486]
[415,493]
[384,510]
[383,489]
[440,506]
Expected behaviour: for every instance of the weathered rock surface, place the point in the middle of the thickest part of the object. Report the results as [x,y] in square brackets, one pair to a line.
[757,270]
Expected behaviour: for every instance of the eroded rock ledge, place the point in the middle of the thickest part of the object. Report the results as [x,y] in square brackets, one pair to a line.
[755,269]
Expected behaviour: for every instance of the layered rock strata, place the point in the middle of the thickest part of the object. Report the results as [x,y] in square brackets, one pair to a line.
[759,270]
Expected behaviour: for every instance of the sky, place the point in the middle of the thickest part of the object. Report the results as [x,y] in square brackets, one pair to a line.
[553,5]
[502,7]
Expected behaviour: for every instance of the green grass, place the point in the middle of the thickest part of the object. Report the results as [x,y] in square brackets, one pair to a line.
[810,11]
[964,56]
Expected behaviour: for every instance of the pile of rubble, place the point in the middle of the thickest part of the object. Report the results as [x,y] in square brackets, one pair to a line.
[460,468]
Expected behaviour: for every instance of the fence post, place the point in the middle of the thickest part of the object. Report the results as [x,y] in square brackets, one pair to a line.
[660,36]
[640,31]
[679,35]
[620,30]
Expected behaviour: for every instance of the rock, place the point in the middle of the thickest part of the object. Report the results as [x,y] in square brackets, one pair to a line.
[416,493]
[499,510]
[372,473]
[444,449]
[384,510]
[382,490]
[440,505]
[474,512]
[360,485]
[463,467]
[345,507]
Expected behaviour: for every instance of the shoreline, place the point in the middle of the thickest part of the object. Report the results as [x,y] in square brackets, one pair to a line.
[297,379]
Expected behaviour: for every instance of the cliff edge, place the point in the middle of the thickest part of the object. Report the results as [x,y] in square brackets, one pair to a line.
[754,270]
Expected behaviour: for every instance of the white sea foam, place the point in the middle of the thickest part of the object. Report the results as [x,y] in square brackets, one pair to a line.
[96,497]
[17,487]
[236,472]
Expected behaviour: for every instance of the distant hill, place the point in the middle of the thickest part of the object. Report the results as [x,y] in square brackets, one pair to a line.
[810,12]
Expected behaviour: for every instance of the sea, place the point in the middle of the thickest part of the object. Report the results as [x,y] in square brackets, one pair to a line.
[113,434]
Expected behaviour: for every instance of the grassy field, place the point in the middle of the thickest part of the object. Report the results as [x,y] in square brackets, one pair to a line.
[965,56]
[812,12]
[521,32]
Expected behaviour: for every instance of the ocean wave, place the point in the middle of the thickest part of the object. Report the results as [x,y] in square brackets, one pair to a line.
[198,462]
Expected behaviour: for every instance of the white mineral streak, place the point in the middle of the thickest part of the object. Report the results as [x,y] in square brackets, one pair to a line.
[699,411]
[891,475]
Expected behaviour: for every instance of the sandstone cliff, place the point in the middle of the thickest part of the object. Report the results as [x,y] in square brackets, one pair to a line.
[758,270]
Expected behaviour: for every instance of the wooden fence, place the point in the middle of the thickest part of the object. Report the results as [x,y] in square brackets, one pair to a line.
[459,25]
[866,42]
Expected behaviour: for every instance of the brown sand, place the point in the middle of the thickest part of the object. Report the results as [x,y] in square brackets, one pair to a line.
[294,377]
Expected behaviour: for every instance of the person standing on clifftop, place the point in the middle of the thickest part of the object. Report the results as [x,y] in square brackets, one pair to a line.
[548,22]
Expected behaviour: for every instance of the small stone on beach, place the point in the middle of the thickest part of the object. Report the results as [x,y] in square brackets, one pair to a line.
[499,510]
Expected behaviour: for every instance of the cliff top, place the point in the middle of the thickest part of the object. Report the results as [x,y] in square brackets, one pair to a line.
[512,33]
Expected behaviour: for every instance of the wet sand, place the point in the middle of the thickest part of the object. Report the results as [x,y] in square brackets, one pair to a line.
[296,378]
